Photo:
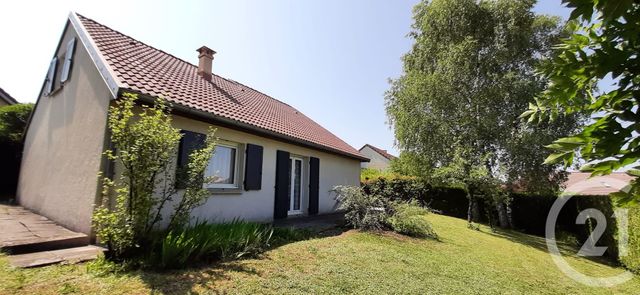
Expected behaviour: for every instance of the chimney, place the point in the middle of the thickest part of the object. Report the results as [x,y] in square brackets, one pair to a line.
[205,61]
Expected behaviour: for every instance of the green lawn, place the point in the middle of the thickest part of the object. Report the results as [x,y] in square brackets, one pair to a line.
[465,261]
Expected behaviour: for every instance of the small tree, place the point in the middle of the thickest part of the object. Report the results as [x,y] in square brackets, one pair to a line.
[480,186]
[145,144]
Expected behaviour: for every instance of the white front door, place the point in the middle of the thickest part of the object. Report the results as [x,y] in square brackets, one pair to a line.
[295,186]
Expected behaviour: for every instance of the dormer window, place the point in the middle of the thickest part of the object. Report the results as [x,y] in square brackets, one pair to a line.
[68,61]
[51,76]
[52,83]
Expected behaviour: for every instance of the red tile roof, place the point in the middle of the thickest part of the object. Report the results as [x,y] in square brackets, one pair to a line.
[142,68]
[382,152]
[7,98]
[581,183]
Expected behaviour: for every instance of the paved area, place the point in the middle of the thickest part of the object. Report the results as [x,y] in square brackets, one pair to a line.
[65,256]
[315,222]
[20,227]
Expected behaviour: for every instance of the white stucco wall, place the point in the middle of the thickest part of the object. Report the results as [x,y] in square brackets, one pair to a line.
[66,138]
[377,161]
[259,205]
[64,144]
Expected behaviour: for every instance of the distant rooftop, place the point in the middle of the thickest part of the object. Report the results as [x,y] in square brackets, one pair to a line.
[380,151]
[6,97]
[579,183]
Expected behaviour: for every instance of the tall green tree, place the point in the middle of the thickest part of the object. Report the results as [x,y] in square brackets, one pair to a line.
[468,77]
[604,50]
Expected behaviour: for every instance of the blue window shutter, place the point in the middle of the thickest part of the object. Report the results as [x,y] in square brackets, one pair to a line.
[281,205]
[253,167]
[68,60]
[51,76]
[189,142]
[314,185]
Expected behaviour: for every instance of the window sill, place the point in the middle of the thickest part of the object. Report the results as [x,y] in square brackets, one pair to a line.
[225,191]
[54,92]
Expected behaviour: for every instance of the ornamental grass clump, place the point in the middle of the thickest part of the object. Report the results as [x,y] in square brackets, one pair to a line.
[409,219]
[206,242]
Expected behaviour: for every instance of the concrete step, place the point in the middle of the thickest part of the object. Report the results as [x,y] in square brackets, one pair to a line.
[23,231]
[44,242]
[65,256]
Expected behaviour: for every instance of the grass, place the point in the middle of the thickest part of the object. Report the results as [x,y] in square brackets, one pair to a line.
[464,261]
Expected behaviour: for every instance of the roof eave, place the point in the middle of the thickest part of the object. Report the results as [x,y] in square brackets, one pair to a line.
[116,88]
[98,59]
[211,118]
[7,97]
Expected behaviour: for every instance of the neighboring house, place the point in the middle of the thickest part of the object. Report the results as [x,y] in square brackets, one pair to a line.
[380,159]
[271,162]
[580,183]
[6,99]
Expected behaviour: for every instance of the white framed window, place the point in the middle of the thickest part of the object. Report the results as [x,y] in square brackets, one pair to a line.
[296,189]
[222,169]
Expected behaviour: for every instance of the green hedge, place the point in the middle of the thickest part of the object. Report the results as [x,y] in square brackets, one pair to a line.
[632,260]
[448,201]
[529,212]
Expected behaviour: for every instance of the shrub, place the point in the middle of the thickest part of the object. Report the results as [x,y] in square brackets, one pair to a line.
[145,145]
[408,218]
[368,174]
[13,120]
[451,201]
[363,211]
[207,242]
[632,260]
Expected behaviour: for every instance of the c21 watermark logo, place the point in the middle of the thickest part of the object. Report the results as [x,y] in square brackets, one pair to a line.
[589,248]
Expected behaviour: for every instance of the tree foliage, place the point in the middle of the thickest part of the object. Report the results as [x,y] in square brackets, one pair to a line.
[604,49]
[145,146]
[13,121]
[468,77]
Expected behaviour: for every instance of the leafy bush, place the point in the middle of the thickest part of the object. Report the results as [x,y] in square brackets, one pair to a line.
[363,211]
[207,242]
[368,174]
[408,218]
[632,260]
[372,212]
[145,144]
[451,201]
[13,120]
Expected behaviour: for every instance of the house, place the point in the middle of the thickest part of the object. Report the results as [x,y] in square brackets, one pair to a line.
[6,99]
[581,183]
[272,161]
[380,159]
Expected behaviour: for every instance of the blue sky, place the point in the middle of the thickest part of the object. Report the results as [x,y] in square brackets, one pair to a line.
[329,59]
